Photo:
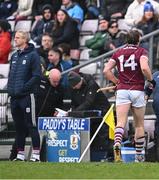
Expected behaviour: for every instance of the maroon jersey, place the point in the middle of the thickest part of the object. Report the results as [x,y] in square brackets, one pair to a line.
[128,64]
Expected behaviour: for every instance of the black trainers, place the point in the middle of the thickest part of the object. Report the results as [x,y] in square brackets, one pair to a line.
[13,155]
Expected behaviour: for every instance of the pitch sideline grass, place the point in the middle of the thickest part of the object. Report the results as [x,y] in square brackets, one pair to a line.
[27,170]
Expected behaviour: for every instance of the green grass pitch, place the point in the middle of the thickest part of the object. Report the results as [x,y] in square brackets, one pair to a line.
[91,170]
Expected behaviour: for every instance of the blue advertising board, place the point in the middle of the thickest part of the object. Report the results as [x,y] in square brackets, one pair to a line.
[63,137]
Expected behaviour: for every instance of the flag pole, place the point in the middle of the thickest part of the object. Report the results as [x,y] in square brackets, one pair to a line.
[99,127]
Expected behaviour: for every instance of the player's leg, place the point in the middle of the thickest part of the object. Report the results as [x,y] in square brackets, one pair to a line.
[138,110]
[122,113]
[20,127]
[138,114]
[122,108]
[31,121]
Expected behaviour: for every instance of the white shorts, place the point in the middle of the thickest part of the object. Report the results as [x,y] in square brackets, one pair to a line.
[134,97]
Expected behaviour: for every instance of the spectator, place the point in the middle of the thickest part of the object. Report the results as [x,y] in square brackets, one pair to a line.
[65,49]
[118,37]
[5,41]
[56,4]
[135,11]
[46,45]
[66,31]
[55,59]
[74,11]
[84,94]
[39,4]
[148,24]
[114,9]
[93,10]
[50,94]
[7,7]
[24,10]
[44,25]
[96,43]
[149,21]
[23,80]
[84,97]
[83,5]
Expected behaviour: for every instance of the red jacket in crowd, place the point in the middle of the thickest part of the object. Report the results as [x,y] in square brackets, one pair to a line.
[5,46]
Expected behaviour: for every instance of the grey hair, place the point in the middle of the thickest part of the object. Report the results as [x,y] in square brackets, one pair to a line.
[26,35]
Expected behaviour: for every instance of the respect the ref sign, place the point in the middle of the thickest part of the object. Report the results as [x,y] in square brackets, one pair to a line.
[63,137]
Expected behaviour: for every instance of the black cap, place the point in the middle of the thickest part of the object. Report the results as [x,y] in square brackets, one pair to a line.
[73,78]
[112,21]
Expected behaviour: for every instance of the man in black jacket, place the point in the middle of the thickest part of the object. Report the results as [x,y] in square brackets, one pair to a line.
[50,94]
[84,94]
[84,97]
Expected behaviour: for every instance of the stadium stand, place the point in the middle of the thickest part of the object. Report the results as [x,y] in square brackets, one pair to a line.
[84,55]
[4,70]
[89,27]
[82,40]
[23,25]
[12,24]
[90,69]
[123,25]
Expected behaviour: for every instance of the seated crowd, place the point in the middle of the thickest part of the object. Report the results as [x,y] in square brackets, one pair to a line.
[62,21]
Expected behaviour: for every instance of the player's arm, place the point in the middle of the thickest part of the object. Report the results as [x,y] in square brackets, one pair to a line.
[147,73]
[109,66]
[145,68]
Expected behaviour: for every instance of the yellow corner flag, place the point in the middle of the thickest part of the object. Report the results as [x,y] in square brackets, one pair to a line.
[110,121]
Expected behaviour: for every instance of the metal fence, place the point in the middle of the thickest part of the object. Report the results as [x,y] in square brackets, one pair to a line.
[3,109]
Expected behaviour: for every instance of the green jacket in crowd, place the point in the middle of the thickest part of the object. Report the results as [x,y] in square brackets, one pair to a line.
[97,43]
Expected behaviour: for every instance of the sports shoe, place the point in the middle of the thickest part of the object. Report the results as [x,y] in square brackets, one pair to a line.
[139,158]
[35,158]
[117,153]
[13,155]
[20,157]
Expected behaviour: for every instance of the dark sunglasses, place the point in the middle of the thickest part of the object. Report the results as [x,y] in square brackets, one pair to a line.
[113,26]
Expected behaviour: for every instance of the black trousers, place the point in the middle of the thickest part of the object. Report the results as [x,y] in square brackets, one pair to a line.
[24,116]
